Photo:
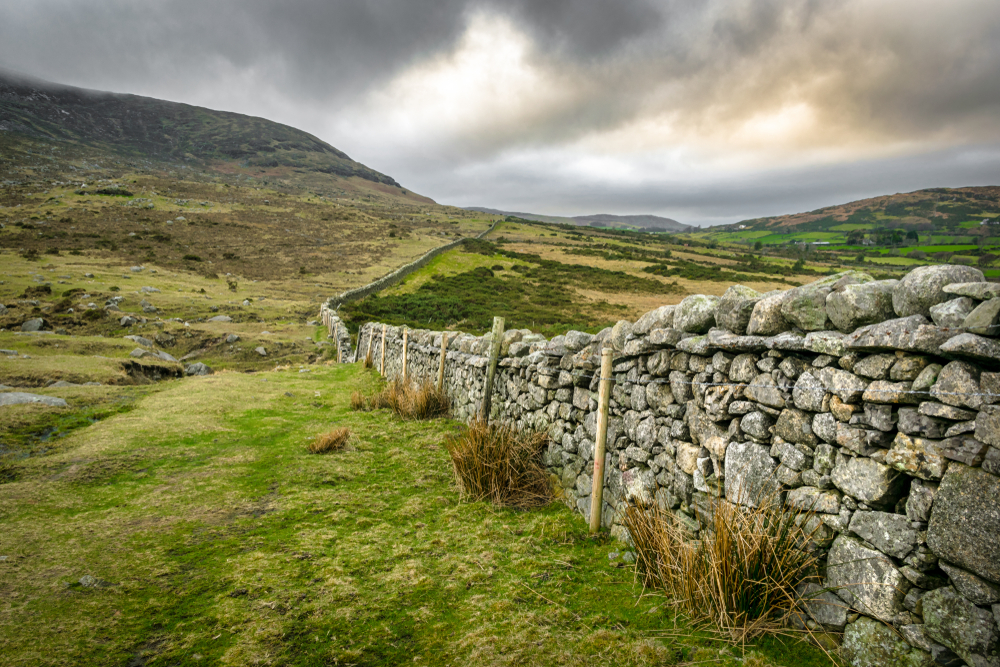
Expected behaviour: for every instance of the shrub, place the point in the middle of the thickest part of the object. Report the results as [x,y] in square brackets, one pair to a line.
[333,441]
[500,464]
[406,400]
[191,258]
[741,575]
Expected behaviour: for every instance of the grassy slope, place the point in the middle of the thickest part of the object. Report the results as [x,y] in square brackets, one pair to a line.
[212,534]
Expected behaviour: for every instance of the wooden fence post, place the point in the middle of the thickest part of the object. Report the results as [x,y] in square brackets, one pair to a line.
[382,369]
[336,341]
[371,339]
[444,353]
[491,369]
[405,340]
[603,401]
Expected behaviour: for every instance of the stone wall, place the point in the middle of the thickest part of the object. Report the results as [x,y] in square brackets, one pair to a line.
[874,404]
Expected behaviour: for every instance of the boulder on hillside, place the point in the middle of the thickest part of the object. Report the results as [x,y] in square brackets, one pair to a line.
[855,305]
[735,308]
[696,313]
[923,287]
[35,324]
[197,368]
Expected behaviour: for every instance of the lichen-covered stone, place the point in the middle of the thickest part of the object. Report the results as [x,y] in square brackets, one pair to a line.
[984,318]
[868,643]
[963,627]
[951,314]
[866,579]
[750,474]
[909,334]
[965,521]
[923,287]
[846,386]
[859,304]
[974,589]
[809,393]
[696,313]
[917,457]
[875,366]
[971,346]
[765,390]
[891,534]
[883,391]
[812,499]
[766,318]
[805,306]
[735,308]
[796,426]
[867,480]
[958,385]
[658,318]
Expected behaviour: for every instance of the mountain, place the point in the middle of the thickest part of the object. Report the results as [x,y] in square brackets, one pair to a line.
[650,223]
[131,126]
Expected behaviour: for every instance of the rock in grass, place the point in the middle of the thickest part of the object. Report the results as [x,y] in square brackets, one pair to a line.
[220,318]
[923,287]
[197,369]
[35,324]
[261,351]
[21,398]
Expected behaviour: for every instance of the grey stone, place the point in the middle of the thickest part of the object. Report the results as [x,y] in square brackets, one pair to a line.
[866,579]
[917,457]
[796,426]
[960,428]
[907,368]
[825,342]
[868,643]
[680,386]
[197,369]
[145,342]
[757,424]
[912,422]
[21,398]
[885,392]
[619,333]
[743,368]
[988,425]
[920,500]
[260,350]
[749,471]
[575,340]
[927,377]
[972,347]
[963,627]
[889,533]
[859,304]
[128,321]
[983,319]
[944,411]
[923,287]
[824,425]
[864,442]
[963,449]
[979,291]
[36,324]
[974,589]
[951,314]
[958,385]
[909,334]
[880,417]
[696,313]
[805,306]
[812,499]
[846,386]
[765,390]
[220,318]
[866,480]
[735,308]
[658,318]
[875,366]
[822,606]
[766,318]
[965,521]
[809,393]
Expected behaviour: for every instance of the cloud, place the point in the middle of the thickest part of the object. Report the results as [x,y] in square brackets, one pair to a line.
[608,104]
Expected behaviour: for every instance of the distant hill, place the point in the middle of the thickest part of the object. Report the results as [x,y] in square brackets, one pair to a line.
[150,129]
[919,210]
[653,223]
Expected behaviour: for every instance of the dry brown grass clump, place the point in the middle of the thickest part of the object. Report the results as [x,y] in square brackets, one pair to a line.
[367,362]
[500,464]
[409,401]
[741,576]
[330,442]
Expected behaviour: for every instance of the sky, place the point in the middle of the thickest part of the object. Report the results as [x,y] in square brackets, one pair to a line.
[707,112]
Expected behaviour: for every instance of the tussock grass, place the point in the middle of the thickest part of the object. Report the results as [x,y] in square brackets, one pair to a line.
[741,576]
[406,400]
[332,441]
[500,464]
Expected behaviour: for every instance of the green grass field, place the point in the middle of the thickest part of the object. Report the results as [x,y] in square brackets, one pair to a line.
[194,528]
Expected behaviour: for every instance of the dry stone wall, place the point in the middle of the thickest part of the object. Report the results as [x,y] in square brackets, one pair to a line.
[871,407]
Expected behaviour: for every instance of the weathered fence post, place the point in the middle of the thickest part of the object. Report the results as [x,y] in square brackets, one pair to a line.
[444,353]
[382,367]
[405,340]
[491,368]
[336,341]
[603,401]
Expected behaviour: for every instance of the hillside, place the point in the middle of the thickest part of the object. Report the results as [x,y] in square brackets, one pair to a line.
[649,223]
[151,129]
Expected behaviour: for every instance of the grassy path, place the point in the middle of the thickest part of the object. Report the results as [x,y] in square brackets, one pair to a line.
[196,529]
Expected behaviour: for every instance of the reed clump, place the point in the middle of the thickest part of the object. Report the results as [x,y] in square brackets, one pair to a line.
[500,464]
[407,400]
[740,576]
[333,441]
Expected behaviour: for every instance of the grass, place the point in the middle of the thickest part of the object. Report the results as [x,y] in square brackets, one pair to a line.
[196,528]
[496,462]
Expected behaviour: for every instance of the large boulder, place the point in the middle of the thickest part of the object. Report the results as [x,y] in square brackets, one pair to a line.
[35,324]
[963,627]
[865,578]
[858,304]
[965,521]
[622,330]
[696,313]
[766,318]
[735,308]
[21,398]
[923,287]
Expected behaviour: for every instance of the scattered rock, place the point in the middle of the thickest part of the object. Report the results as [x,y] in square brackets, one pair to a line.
[197,369]
[261,351]
[220,318]
[36,324]
[20,398]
